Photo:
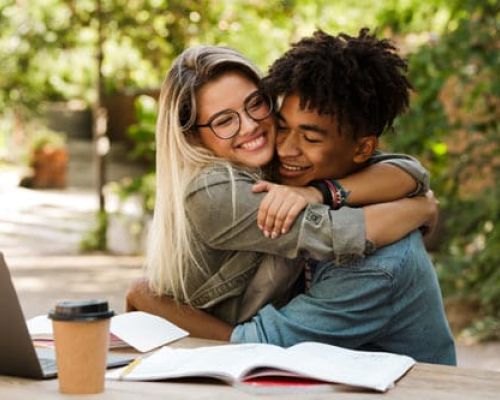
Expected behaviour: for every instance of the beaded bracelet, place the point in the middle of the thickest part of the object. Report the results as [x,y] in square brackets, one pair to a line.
[338,194]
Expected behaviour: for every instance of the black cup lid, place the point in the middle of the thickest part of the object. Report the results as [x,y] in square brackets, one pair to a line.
[81,310]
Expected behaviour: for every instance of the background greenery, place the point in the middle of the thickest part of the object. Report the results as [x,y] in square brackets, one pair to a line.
[48,50]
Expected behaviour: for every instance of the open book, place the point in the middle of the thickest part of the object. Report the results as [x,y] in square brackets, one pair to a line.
[138,329]
[238,363]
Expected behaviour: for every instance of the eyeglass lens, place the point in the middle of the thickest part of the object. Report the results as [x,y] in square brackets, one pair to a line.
[227,125]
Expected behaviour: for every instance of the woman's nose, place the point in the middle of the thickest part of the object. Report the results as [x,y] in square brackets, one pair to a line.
[247,124]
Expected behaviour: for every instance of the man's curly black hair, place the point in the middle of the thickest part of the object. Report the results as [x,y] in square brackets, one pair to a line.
[360,80]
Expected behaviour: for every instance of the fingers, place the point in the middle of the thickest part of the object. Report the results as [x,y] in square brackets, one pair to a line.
[292,215]
[278,213]
[262,186]
[263,210]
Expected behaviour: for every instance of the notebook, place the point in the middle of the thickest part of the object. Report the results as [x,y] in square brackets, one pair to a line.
[18,355]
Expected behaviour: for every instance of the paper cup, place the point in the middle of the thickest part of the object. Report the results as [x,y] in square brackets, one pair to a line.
[81,333]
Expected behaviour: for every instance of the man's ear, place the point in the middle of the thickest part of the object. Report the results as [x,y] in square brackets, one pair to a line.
[365,147]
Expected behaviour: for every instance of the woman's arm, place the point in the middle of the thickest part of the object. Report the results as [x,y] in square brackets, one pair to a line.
[320,232]
[196,322]
[387,177]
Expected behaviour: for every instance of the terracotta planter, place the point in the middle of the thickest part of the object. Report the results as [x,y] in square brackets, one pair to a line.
[49,168]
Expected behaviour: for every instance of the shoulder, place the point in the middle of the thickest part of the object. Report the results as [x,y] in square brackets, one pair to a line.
[221,175]
[379,156]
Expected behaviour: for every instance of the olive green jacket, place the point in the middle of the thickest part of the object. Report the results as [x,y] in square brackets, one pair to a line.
[231,248]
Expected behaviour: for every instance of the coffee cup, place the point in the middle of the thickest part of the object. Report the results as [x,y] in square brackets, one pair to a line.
[81,334]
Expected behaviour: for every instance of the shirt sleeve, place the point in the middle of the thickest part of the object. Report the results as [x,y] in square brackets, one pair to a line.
[223,212]
[408,164]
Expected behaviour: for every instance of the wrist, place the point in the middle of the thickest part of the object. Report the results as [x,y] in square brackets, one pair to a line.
[322,188]
[315,194]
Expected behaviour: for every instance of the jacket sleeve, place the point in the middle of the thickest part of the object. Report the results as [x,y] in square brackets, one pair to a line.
[223,213]
[408,164]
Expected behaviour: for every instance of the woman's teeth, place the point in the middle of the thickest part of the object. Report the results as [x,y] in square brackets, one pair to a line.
[253,144]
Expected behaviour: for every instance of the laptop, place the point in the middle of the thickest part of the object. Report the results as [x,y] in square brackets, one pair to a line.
[18,355]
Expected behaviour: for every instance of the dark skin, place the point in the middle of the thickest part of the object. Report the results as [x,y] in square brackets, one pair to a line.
[298,148]
[196,322]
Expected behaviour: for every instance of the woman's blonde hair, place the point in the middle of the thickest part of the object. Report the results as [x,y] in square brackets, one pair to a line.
[179,159]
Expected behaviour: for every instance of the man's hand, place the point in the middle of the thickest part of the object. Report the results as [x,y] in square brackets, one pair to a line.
[281,206]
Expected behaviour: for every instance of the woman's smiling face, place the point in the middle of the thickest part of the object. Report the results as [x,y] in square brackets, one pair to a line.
[253,145]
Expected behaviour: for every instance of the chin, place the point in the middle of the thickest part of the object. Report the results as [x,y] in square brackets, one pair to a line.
[256,161]
[293,181]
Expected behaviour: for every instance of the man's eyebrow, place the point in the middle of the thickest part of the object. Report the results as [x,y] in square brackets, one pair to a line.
[314,128]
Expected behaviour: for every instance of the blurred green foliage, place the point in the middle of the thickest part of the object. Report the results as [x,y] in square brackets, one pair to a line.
[453,126]
[48,52]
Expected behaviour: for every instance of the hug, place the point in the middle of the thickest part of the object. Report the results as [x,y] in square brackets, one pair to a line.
[277,219]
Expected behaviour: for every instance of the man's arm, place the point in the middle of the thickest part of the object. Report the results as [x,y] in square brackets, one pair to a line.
[346,306]
[388,177]
[196,322]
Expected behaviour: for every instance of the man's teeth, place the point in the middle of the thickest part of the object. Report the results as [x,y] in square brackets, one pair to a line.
[253,144]
[293,167]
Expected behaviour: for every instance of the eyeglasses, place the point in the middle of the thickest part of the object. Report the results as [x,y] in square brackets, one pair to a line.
[227,123]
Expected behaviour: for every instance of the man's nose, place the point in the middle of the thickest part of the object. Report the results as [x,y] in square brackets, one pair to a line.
[288,144]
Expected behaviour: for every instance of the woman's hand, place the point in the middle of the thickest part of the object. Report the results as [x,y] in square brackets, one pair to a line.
[433,209]
[281,206]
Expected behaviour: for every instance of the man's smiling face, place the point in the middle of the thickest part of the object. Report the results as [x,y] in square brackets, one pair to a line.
[310,147]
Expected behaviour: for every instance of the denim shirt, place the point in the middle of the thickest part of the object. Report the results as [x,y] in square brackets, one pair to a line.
[389,301]
[230,246]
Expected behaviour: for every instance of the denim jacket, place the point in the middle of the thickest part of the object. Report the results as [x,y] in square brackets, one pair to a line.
[389,301]
[230,246]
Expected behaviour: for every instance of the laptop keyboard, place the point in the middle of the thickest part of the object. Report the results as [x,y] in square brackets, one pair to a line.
[47,364]
[47,359]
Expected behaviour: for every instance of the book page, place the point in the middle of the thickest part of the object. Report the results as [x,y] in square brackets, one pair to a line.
[138,329]
[145,331]
[232,363]
[40,327]
[227,362]
[373,370]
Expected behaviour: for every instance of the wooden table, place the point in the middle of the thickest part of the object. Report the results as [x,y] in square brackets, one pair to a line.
[422,382]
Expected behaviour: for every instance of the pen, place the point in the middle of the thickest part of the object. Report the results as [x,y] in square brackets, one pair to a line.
[129,368]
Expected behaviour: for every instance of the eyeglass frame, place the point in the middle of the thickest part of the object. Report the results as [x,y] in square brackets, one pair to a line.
[231,111]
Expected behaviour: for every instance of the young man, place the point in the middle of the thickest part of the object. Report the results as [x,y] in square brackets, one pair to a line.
[338,95]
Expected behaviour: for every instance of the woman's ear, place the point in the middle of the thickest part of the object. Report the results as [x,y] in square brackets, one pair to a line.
[365,147]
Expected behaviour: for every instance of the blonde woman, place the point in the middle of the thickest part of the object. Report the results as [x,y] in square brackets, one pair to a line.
[215,138]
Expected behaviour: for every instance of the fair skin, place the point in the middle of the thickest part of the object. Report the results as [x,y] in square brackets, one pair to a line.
[202,324]
[254,145]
